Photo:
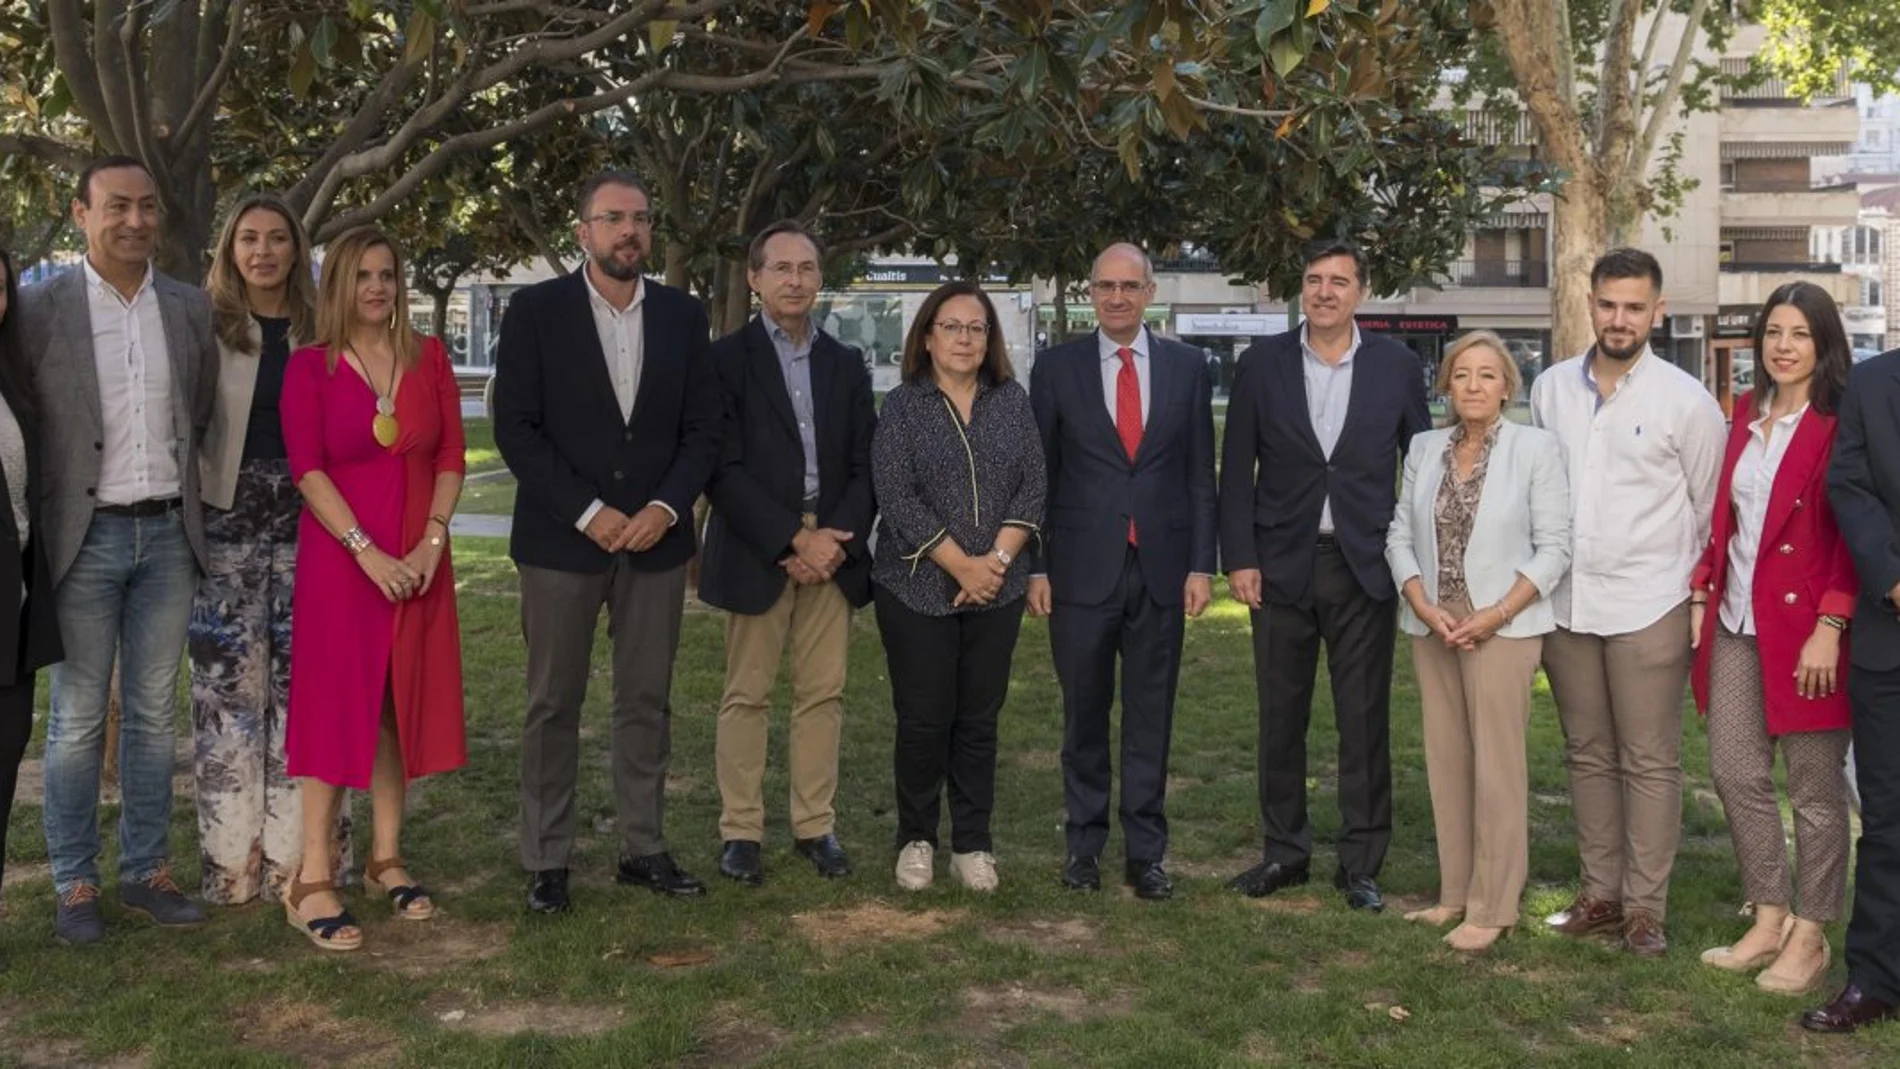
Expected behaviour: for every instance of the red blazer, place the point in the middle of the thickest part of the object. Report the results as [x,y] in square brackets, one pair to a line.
[1802,573]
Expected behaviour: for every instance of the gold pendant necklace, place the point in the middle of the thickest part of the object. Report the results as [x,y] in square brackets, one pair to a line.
[384,427]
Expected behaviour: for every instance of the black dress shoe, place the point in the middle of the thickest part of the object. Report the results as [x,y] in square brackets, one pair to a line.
[1851,1010]
[826,854]
[1149,880]
[739,860]
[657,873]
[1082,874]
[1361,892]
[1267,877]
[547,892]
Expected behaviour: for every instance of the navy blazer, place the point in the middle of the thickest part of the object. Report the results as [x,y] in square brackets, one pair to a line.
[1094,488]
[560,429]
[758,489]
[1275,477]
[1863,485]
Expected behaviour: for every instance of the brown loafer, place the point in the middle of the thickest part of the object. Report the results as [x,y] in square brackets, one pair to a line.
[1643,934]
[1586,916]
[1851,1011]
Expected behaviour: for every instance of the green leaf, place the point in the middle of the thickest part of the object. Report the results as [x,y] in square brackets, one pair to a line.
[660,33]
[419,36]
[1286,54]
[1275,15]
[322,41]
[303,71]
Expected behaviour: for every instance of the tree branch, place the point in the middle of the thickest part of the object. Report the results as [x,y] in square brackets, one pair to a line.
[1664,105]
[108,58]
[1616,120]
[75,64]
[1234,109]
[1565,62]
[58,153]
[131,29]
[214,83]
[523,215]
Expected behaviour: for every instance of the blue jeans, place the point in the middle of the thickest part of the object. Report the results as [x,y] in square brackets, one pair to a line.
[129,591]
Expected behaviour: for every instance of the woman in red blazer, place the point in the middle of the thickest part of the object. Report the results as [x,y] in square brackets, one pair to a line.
[1772,599]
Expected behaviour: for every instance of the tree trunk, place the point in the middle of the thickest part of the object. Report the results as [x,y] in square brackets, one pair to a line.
[1059,330]
[734,306]
[190,225]
[1579,234]
[439,317]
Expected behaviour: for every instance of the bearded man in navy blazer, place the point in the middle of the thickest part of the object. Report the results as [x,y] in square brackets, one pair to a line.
[1317,425]
[608,413]
[1129,552]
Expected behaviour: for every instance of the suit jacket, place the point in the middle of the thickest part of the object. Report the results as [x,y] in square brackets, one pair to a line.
[57,333]
[29,633]
[561,431]
[1802,572]
[1094,489]
[1275,477]
[1863,484]
[758,489]
[1522,525]
[223,452]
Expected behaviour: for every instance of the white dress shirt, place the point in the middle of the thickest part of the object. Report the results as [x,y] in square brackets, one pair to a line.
[623,343]
[1328,397]
[139,458]
[1110,350]
[1643,465]
[1749,488]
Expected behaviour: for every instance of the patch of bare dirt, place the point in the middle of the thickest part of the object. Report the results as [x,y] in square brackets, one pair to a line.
[1178,784]
[1351,959]
[1221,868]
[836,930]
[1622,1028]
[732,1037]
[427,948]
[1039,760]
[310,1034]
[990,1010]
[1301,905]
[499,1020]
[19,872]
[1049,936]
[1260,1049]
[64,1053]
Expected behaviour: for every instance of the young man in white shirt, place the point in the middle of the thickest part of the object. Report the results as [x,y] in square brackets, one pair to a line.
[1642,440]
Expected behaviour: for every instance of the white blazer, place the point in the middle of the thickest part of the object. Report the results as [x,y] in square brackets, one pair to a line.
[1522,525]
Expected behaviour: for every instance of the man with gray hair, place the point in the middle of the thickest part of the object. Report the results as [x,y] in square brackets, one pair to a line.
[1128,554]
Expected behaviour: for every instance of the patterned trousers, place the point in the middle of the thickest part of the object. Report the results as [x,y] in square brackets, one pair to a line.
[250,831]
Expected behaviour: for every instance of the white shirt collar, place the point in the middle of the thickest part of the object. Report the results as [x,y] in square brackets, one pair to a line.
[1788,420]
[98,281]
[593,294]
[1110,350]
[1306,346]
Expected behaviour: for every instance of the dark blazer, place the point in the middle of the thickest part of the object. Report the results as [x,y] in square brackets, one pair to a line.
[758,489]
[29,639]
[1274,476]
[1094,488]
[560,428]
[1864,486]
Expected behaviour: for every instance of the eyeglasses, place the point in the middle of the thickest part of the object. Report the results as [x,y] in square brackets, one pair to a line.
[1109,287]
[978,331]
[787,269]
[615,220]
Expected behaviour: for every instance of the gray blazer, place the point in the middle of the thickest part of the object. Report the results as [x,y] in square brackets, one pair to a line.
[1522,525]
[57,334]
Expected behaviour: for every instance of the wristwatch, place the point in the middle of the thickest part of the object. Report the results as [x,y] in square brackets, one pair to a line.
[999,554]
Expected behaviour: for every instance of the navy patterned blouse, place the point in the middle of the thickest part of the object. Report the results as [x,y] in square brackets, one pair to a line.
[937,478]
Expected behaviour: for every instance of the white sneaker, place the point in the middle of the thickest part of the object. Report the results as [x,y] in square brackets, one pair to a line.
[975,870]
[916,865]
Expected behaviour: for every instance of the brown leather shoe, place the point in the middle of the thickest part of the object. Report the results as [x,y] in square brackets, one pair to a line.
[1586,916]
[1643,934]
[1851,1010]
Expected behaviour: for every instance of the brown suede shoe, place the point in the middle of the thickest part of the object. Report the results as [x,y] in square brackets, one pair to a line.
[1643,934]
[1586,916]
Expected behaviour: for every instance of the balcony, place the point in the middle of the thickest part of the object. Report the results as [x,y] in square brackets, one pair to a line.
[1791,127]
[1496,274]
[1751,282]
[1834,206]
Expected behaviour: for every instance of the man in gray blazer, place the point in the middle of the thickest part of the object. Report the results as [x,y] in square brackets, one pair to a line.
[128,360]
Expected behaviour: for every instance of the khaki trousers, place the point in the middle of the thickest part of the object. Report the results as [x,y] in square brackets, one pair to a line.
[817,619]
[1476,709]
[1619,698]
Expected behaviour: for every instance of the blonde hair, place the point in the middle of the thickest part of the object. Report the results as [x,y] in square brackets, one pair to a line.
[1478,339]
[336,297]
[230,300]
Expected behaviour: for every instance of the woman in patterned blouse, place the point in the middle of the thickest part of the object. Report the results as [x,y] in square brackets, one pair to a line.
[957,466]
[1480,537]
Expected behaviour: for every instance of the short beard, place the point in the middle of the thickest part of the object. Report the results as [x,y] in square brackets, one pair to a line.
[1623,355]
[614,269]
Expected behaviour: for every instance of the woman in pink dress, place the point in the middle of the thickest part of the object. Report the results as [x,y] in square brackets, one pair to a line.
[372,424]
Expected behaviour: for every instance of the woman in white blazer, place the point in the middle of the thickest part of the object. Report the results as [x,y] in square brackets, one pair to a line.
[1480,536]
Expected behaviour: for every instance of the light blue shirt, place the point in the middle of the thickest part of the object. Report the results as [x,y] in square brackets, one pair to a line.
[794,359]
[1328,394]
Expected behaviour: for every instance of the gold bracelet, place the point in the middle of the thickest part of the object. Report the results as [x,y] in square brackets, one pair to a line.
[355,541]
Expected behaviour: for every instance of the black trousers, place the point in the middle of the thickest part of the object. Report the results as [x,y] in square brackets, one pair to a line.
[1085,641]
[949,676]
[1873,933]
[1358,631]
[16,726]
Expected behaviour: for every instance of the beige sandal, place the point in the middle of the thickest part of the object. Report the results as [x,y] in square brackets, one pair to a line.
[325,932]
[411,900]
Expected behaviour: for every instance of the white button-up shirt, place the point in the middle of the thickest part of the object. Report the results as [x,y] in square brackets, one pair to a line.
[1110,351]
[623,343]
[139,458]
[1749,489]
[1643,464]
[1328,397]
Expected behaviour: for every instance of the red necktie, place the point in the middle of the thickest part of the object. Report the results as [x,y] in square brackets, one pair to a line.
[1128,412]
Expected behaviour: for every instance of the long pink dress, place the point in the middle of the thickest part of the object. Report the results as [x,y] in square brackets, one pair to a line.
[347,640]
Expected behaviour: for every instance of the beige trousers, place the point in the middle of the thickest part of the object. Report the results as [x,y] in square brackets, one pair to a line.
[1619,698]
[817,620]
[1476,710]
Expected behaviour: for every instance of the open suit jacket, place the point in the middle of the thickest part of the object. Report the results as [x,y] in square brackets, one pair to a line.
[758,488]
[561,431]
[1275,477]
[1094,488]
[1864,487]
[29,640]
[57,333]
[1802,572]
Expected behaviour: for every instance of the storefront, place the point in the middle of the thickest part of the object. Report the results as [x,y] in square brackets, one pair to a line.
[1425,335]
[1223,336]
[1730,371]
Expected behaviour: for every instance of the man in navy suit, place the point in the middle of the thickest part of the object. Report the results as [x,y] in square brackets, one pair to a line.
[608,413]
[1317,424]
[1128,434]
